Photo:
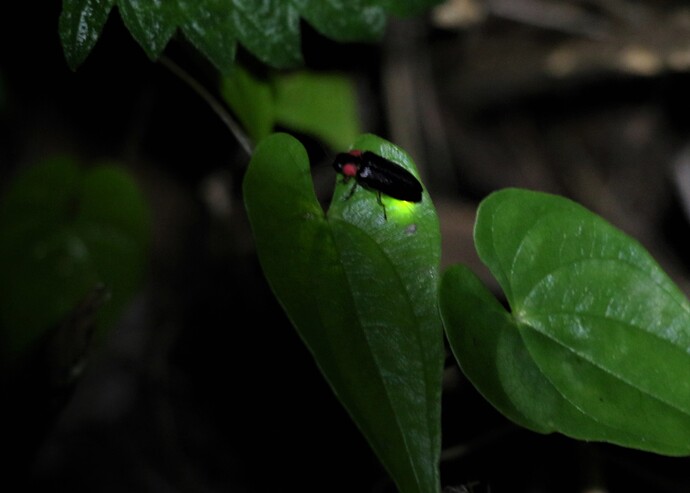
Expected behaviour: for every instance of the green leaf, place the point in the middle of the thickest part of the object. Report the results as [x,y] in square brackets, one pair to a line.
[319,104]
[323,105]
[480,331]
[80,26]
[64,231]
[209,27]
[487,344]
[251,100]
[345,20]
[151,23]
[269,29]
[602,323]
[361,292]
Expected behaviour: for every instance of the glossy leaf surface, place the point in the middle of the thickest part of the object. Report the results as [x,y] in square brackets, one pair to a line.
[361,291]
[598,335]
[269,29]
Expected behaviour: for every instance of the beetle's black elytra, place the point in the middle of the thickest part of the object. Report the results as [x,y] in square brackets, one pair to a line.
[376,173]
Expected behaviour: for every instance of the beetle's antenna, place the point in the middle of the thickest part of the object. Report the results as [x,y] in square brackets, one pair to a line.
[212,101]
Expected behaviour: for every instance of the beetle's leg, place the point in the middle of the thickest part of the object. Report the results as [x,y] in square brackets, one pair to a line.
[352,191]
[378,199]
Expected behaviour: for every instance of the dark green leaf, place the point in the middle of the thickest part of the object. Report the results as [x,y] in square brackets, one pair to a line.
[63,232]
[345,20]
[361,291]
[406,7]
[81,23]
[209,27]
[598,317]
[151,23]
[269,29]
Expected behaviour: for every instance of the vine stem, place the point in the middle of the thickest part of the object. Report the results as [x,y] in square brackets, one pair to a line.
[212,101]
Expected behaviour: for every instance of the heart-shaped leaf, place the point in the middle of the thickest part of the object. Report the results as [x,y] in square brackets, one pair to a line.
[63,231]
[597,344]
[361,291]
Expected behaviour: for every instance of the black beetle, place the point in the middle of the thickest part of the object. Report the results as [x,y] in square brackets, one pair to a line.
[376,173]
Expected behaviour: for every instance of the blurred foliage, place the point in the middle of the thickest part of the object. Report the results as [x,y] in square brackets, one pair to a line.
[316,104]
[65,233]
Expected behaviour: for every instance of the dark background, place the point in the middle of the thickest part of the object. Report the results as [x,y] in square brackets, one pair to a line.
[204,385]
